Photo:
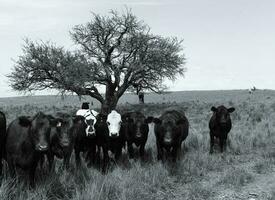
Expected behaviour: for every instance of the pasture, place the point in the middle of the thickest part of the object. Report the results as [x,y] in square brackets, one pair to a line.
[245,171]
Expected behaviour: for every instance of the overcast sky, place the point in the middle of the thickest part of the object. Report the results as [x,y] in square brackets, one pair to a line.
[229,44]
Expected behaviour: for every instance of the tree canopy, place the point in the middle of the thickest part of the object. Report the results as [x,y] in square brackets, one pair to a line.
[116,51]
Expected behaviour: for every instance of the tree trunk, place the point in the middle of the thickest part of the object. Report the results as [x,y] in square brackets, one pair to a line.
[110,101]
[108,105]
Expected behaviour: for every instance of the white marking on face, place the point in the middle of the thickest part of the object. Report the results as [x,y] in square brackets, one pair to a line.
[59,124]
[89,115]
[114,123]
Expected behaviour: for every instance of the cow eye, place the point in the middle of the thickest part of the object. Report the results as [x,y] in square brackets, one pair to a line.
[120,122]
[108,123]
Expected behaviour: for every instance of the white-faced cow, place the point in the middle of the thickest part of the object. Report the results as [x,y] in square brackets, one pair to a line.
[110,134]
[220,125]
[171,129]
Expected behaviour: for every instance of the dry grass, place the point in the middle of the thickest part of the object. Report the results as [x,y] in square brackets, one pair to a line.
[198,175]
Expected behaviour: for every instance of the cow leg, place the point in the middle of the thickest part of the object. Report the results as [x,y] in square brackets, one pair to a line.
[77,157]
[41,161]
[179,152]
[105,159]
[1,167]
[32,173]
[223,144]
[92,155]
[212,141]
[88,158]
[11,167]
[66,161]
[50,158]
[118,153]
[67,158]
[130,149]
[160,151]
[98,152]
[174,153]
[1,158]
[141,150]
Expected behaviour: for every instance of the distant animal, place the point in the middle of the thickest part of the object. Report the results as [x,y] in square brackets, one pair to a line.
[252,90]
[220,125]
[27,141]
[85,105]
[86,138]
[171,129]
[110,135]
[3,125]
[62,138]
[141,97]
[136,131]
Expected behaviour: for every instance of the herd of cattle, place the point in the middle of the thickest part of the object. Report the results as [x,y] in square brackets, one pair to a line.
[26,140]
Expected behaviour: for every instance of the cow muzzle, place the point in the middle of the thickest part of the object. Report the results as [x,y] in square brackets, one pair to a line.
[91,134]
[167,140]
[65,143]
[42,147]
[138,135]
[90,131]
[113,134]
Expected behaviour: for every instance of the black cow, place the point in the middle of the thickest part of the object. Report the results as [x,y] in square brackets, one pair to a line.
[27,141]
[110,136]
[136,131]
[61,140]
[171,129]
[220,125]
[2,138]
[83,142]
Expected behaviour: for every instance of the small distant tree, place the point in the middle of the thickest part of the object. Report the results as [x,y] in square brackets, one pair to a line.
[116,51]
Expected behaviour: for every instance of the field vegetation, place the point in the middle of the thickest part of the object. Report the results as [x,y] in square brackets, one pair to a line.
[245,171]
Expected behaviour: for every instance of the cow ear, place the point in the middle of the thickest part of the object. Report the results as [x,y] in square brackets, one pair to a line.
[76,119]
[230,110]
[56,123]
[149,120]
[157,121]
[52,120]
[25,121]
[214,109]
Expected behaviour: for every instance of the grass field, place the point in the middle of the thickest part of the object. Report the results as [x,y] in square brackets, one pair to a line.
[245,171]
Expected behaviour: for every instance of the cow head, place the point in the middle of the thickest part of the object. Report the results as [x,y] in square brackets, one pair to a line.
[90,120]
[40,131]
[79,125]
[114,123]
[167,129]
[140,126]
[62,128]
[222,114]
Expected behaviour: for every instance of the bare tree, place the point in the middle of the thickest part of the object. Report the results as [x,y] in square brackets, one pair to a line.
[116,51]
